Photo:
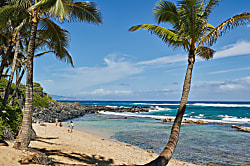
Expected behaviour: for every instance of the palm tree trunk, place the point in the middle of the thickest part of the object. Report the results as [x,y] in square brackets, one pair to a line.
[5,59]
[24,136]
[17,85]
[168,151]
[7,92]
[17,77]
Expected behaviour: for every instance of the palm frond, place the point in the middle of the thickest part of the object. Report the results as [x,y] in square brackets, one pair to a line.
[60,10]
[5,14]
[56,38]
[209,27]
[231,23]
[210,5]
[3,3]
[193,24]
[166,11]
[3,38]
[85,11]
[205,52]
[167,36]
[43,4]
[41,54]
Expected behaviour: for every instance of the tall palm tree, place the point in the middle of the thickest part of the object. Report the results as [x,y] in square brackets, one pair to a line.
[191,31]
[17,39]
[40,11]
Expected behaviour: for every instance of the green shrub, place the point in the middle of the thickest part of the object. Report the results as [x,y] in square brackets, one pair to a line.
[10,117]
[36,84]
[39,101]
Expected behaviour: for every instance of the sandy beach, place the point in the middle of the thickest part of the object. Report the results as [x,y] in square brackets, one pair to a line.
[78,148]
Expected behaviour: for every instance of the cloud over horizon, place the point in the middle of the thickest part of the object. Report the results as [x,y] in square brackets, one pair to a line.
[77,81]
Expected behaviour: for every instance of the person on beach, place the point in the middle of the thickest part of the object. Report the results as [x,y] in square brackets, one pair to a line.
[60,124]
[71,126]
[68,124]
[56,120]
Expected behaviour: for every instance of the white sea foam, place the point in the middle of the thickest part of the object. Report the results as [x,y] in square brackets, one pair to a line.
[128,114]
[154,104]
[111,106]
[199,116]
[220,105]
[225,119]
[234,119]
[198,104]
[157,108]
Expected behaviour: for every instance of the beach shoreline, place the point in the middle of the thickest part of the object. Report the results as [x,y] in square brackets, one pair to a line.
[79,148]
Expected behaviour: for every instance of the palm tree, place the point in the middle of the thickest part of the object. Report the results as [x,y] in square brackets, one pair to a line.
[40,11]
[190,30]
[17,39]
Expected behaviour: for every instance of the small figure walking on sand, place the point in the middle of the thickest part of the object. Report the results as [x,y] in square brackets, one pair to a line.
[56,121]
[60,124]
[68,124]
[71,126]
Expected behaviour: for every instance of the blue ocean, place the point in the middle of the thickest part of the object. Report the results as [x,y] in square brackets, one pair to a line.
[212,144]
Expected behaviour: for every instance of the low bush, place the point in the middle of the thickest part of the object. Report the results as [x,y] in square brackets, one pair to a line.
[10,117]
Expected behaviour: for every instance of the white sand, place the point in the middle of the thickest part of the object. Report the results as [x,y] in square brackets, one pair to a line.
[79,148]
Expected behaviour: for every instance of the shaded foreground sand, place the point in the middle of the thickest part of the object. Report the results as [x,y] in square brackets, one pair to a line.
[78,148]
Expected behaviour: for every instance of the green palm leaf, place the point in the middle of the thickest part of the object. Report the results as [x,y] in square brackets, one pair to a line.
[56,39]
[166,11]
[86,11]
[66,10]
[205,52]
[41,54]
[213,35]
[210,5]
[5,13]
[168,36]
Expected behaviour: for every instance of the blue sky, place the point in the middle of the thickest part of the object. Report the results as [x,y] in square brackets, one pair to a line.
[112,63]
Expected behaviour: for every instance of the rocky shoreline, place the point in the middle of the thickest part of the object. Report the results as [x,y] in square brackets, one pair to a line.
[60,111]
[66,110]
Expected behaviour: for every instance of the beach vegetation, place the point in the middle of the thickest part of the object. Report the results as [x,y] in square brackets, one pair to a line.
[10,117]
[192,32]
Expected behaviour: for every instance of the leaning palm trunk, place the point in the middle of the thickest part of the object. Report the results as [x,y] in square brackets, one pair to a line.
[7,92]
[190,30]
[168,151]
[24,136]
[5,59]
[14,94]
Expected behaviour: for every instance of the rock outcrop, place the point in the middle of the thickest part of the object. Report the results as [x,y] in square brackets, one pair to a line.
[242,128]
[60,111]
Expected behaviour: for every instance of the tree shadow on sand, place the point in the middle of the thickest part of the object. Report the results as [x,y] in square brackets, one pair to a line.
[79,157]
[41,139]
[47,138]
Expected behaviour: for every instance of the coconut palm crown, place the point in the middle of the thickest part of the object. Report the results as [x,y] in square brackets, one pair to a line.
[191,31]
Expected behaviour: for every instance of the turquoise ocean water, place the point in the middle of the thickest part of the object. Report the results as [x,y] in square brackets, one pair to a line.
[199,144]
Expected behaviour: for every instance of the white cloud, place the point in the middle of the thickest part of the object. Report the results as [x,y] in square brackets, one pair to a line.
[236,84]
[239,48]
[164,60]
[103,92]
[246,80]
[71,81]
[112,94]
[236,90]
[230,86]
[248,25]
[225,71]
